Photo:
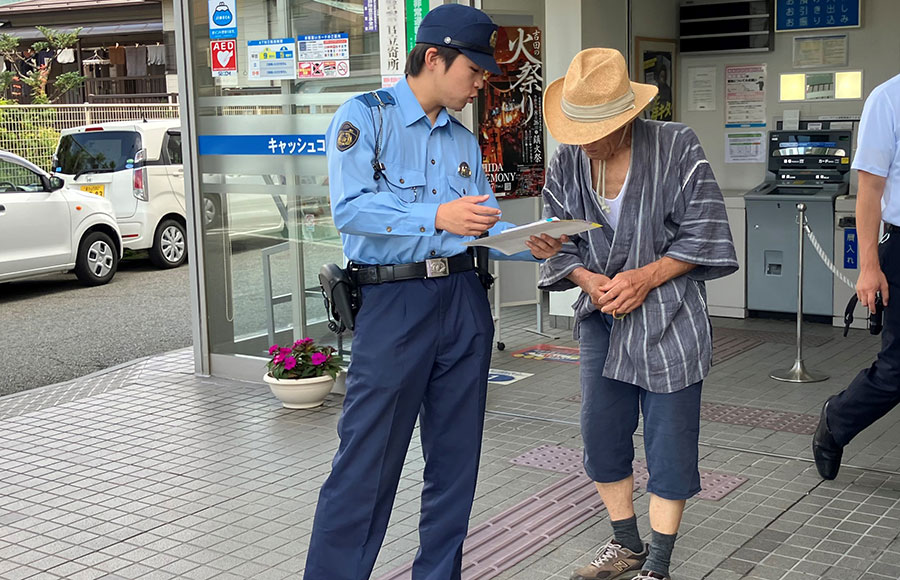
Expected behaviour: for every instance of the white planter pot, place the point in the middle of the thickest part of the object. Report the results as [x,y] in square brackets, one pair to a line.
[300,393]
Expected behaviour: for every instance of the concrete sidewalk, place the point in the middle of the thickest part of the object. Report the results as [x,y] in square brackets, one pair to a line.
[146,471]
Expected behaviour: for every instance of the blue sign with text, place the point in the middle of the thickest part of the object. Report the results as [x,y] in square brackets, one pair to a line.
[850,249]
[261,144]
[816,14]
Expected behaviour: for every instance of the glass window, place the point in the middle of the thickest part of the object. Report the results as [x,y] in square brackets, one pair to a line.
[173,148]
[106,150]
[14,177]
[267,226]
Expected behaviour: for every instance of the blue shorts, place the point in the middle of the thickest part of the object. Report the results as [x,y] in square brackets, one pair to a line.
[610,411]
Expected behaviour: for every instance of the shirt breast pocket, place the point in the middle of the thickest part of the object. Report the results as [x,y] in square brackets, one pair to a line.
[462,186]
[405,183]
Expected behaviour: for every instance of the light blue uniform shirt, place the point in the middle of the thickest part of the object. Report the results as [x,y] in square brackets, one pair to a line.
[391,220]
[876,148]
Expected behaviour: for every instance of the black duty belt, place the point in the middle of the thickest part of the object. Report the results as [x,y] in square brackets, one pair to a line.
[891,228]
[433,268]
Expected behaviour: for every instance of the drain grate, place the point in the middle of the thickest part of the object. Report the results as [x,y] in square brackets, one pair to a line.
[798,423]
[714,485]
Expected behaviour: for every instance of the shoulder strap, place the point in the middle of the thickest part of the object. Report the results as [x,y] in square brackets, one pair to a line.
[377,99]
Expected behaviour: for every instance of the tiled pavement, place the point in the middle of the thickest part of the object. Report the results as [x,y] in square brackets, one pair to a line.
[146,471]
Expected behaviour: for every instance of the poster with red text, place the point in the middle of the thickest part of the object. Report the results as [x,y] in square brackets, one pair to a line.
[510,118]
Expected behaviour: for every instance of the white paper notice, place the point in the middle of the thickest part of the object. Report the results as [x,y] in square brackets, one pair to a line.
[749,147]
[745,96]
[513,240]
[392,37]
[702,88]
[791,121]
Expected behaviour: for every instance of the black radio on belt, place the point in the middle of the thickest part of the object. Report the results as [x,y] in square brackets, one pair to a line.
[875,320]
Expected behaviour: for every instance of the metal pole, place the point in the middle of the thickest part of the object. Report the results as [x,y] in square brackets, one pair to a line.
[798,372]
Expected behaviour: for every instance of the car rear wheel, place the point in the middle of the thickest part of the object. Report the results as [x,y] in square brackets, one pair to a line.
[169,245]
[97,259]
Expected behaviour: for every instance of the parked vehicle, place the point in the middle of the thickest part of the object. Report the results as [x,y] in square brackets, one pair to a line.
[137,165]
[48,228]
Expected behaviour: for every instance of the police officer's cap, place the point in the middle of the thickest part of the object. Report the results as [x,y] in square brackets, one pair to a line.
[464,28]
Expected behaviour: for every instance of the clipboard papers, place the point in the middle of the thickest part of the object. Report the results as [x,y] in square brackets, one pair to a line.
[513,240]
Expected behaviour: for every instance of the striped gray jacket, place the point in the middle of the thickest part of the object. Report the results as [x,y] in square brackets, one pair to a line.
[672,206]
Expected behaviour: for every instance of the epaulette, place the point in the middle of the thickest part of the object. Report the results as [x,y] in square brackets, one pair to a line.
[372,101]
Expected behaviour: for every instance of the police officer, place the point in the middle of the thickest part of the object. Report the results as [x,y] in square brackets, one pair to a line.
[407,188]
[875,390]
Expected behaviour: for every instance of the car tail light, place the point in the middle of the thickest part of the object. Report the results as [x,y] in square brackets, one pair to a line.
[89,129]
[139,178]
[140,184]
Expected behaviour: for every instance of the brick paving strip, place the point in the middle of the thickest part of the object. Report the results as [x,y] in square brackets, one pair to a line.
[506,539]
[798,423]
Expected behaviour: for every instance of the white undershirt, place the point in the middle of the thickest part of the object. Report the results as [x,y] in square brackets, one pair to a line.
[615,204]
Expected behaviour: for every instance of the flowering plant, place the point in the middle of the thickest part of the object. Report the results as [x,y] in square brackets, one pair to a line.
[303,360]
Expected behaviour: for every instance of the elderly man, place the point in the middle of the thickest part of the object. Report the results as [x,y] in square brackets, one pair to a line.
[641,317]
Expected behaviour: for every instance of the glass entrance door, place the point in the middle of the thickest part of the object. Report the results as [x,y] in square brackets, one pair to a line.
[261,199]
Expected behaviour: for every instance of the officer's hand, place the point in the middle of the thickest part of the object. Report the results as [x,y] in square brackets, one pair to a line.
[545,246]
[870,281]
[466,217]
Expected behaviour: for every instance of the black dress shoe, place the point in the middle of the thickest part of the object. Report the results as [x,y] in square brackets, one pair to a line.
[826,451]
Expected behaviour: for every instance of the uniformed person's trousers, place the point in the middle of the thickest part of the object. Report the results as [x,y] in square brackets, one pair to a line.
[875,390]
[421,348]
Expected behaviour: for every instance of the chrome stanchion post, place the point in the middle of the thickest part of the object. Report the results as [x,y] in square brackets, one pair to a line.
[798,372]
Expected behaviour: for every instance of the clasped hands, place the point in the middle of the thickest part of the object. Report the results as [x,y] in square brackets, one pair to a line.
[622,293]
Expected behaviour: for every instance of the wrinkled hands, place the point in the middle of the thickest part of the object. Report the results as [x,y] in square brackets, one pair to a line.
[545,246]
[625,292]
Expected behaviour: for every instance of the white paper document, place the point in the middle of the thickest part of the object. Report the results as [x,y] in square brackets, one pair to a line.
[513,240]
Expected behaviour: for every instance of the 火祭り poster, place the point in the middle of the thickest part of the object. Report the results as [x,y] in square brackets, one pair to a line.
[511,124]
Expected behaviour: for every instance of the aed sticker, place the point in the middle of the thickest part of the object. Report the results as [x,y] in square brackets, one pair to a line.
[129,165]
[845,160]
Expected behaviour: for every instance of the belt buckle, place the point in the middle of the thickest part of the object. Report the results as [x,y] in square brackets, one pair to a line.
[437,268]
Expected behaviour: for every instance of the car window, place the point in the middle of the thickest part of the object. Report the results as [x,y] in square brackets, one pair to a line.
[14,177]
[173,148]
[105,150]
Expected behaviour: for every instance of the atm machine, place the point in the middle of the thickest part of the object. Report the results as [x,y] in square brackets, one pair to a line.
[809,166]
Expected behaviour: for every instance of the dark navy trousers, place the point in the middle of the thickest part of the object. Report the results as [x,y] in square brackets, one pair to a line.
[875,390]
[421,349]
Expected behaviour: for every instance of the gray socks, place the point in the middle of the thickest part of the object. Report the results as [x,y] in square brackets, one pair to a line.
[661,546]
[625,533]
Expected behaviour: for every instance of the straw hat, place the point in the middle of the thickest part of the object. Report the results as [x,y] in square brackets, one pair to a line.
[594,99]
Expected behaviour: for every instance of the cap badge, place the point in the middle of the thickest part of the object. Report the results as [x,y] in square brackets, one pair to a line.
[493,41]
[464,170]
[447,40]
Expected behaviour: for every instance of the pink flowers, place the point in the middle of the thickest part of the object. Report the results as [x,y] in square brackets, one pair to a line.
[304,359]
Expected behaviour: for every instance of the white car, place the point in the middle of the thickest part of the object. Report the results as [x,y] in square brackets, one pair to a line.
[137,165]
[47,228]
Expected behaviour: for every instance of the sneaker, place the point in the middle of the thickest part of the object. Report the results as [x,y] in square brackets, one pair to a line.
[648,575]
[613,562]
